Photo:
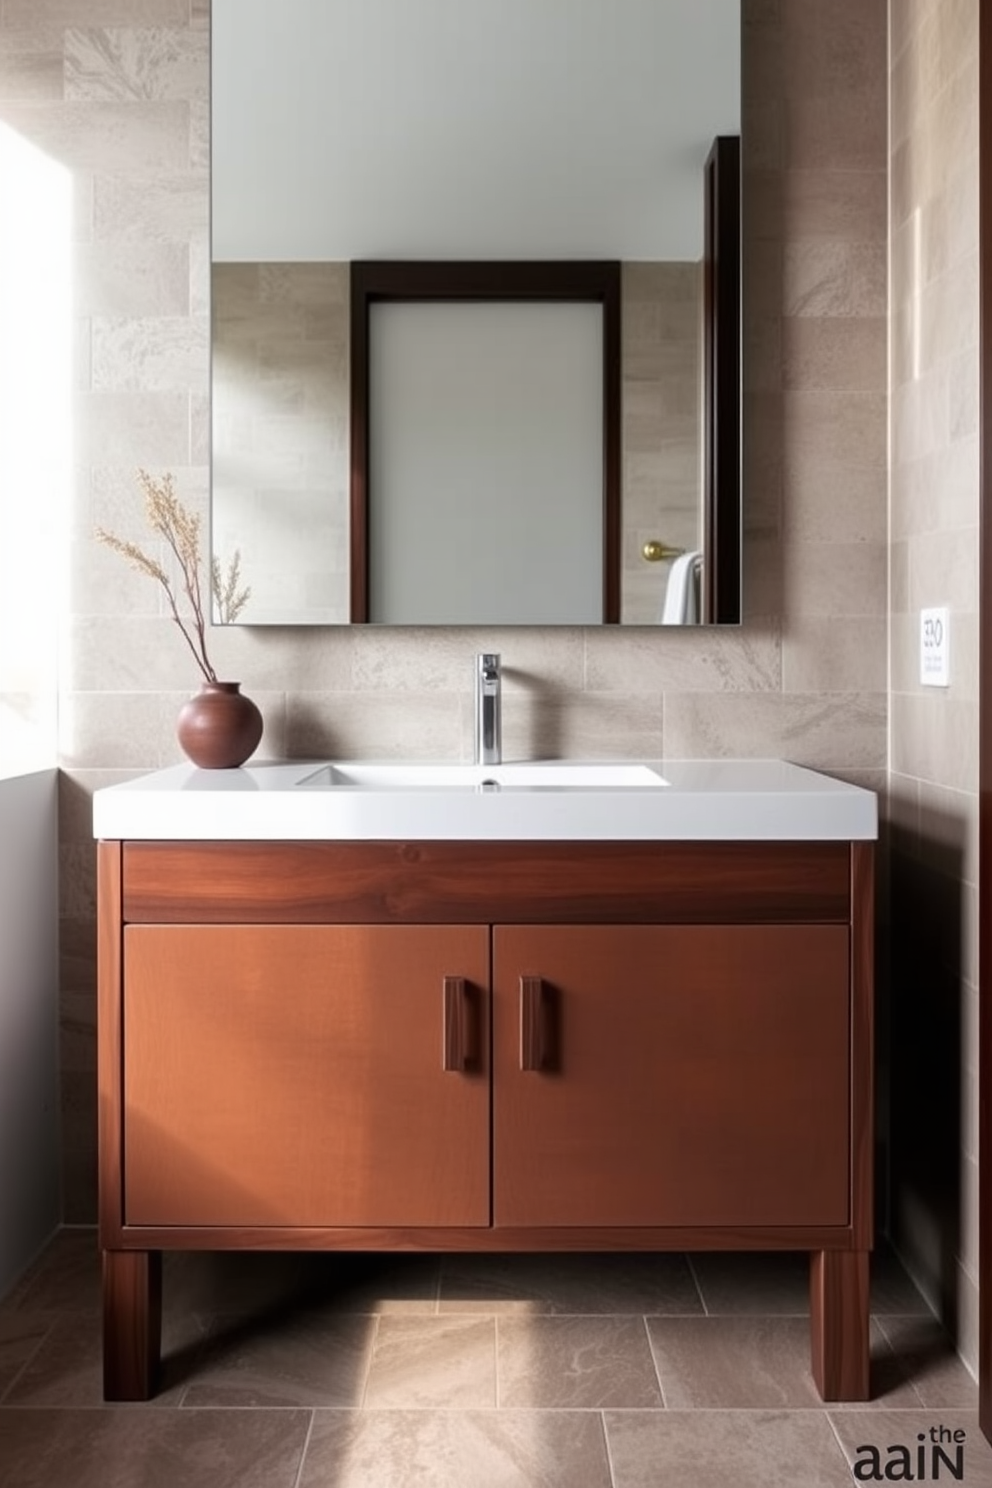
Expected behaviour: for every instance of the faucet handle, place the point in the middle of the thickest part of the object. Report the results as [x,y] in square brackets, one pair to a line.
[488,662]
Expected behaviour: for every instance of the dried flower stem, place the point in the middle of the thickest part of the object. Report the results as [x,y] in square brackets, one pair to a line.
[180,529]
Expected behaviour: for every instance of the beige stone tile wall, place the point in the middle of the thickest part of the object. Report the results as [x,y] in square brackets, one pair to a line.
[934,733]
[661,341]
[280,390]
[117,89]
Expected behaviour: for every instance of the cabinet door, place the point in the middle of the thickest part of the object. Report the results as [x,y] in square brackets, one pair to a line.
[306,1075]
[671,1075]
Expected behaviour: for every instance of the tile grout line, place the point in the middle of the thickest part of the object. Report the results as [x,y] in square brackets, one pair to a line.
[606,1445]
[654,1361]
[695,1282]
[306,1447]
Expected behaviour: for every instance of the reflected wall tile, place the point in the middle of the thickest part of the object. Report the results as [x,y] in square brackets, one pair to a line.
[944,568]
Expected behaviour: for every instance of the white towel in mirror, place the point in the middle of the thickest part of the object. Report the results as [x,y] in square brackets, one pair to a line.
[681,605]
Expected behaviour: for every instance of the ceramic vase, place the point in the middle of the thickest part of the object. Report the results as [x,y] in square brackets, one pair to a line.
[218,728]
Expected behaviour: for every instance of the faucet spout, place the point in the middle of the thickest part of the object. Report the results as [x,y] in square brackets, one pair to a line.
[488,720]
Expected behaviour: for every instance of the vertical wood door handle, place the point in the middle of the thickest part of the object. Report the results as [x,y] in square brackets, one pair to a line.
[455,1024]
[531,1023]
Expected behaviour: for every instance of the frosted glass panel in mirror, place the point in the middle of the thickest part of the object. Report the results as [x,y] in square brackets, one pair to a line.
[486,452]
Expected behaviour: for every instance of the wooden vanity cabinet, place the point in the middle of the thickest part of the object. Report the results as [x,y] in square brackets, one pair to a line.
[485,1045]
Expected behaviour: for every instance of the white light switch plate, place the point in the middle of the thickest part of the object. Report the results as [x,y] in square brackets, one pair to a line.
[935,647]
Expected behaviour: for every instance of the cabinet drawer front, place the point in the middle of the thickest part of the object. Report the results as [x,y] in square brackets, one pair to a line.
[669,1075]
[306,1075]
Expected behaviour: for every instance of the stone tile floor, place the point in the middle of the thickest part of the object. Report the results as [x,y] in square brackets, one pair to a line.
[621,1371]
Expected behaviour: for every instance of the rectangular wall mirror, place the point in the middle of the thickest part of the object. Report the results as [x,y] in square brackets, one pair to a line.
[351,134]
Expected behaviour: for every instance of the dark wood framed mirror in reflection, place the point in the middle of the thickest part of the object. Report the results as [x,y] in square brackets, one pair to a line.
[383,140]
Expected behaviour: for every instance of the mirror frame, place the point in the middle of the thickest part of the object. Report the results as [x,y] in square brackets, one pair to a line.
[723,378]
[447,281]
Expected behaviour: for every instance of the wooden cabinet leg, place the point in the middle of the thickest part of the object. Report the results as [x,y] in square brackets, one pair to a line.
[132,1323]
[839,1323]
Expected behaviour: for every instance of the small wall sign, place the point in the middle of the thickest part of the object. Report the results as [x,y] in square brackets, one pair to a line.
[935,647]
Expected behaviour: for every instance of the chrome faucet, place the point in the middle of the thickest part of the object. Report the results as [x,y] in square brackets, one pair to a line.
[488,723]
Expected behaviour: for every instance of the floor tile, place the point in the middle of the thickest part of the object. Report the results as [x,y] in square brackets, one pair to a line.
[288,1359]
[758,1363]
[368,1282]
[133,1447]
[21,1336]
[454,1449]
[535,1284]
[444,1362]
[724,1449]
[928,1358]
[65,1278]
[67,1368]
[215,1282]
[575,1363]
[752,1283]
[898,1437]
[892,1290]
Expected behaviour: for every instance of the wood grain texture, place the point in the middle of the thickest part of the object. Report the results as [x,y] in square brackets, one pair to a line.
[295,1075]
[473,882]
[863,1042]
[132,1323]
[839,1333]
[109,1044]
[702,1078]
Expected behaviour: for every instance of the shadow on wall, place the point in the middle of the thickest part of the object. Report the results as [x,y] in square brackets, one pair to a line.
[926,1018]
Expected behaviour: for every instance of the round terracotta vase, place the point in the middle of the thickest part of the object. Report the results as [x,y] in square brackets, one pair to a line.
[218,728]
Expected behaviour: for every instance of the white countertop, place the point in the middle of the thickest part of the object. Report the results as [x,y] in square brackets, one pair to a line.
[704,800]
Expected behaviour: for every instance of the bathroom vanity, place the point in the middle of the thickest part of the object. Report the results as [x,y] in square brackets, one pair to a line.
[549,1012]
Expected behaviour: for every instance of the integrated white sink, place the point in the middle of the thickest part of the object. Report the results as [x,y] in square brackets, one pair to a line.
[551,775]
[555,800]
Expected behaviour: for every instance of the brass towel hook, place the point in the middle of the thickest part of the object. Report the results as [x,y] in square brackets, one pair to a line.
[655,551]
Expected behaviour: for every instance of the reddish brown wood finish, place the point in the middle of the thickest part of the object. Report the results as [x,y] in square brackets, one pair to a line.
[839,1324]
[471,882]
[862,1044]
[702,1079]
[132,1323]
[295,1075]
[765,884]
[109,1049]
